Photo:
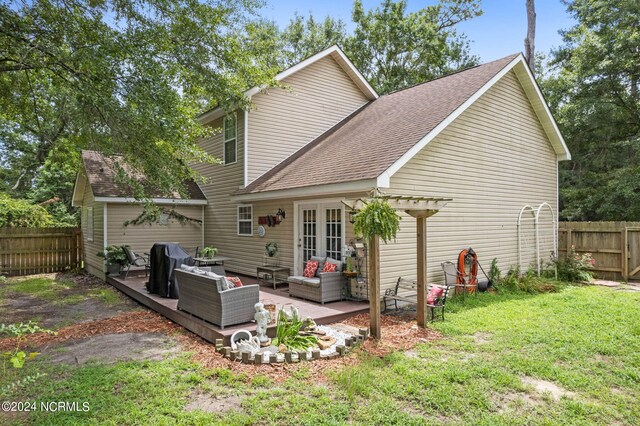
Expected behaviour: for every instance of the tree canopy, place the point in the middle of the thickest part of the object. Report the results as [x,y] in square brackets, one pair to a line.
[593,91]
[118,76]
[392,47]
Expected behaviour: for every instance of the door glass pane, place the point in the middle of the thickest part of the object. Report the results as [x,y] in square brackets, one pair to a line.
[309,240]
[333,235]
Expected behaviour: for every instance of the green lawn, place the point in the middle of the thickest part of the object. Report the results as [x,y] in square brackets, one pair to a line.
[583,340]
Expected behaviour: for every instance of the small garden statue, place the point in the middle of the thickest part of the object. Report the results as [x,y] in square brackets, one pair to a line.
[263,318]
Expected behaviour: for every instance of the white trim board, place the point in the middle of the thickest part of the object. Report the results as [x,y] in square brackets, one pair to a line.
[520,67]
[311,191]
[337,53]
[129,200]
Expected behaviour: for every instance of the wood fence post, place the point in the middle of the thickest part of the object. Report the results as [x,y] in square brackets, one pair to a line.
[625,254]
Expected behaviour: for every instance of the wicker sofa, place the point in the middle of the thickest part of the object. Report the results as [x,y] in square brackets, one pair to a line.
[324,287]
[203,297]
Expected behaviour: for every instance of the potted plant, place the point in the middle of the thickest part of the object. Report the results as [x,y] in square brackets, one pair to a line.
[115,259]
[208,252]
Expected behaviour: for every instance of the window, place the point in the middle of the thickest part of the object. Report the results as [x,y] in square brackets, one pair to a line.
[245,220]
[229,146]
[89,224]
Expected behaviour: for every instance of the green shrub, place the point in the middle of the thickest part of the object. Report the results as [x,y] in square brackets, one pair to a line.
[529,282]
[574,268]
[16,213]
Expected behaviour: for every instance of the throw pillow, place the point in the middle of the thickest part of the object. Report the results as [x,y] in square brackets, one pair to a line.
[310,269]
[434,295]
[233,282]
[329,267]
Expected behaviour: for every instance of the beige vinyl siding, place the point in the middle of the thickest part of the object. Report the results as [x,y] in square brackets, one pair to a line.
[284,120]
[142,237]
[244,252]
[93,263]
[492,160]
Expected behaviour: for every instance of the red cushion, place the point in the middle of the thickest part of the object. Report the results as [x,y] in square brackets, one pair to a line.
[233,280]
[329,267]
[310,269]
[435,293]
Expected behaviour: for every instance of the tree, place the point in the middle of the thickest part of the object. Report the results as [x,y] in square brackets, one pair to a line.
[529,41]
[304,37]
[21,213]
[122,77]
[395,49]
[392,48]
[593,92]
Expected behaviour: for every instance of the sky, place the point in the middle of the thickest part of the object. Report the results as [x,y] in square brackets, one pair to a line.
[499,32]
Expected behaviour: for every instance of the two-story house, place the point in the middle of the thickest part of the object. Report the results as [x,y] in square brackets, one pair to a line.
[483,137]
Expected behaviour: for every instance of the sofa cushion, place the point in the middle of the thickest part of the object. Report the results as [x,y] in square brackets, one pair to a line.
[329,267]
[311,282]
[297,279]
[335,262]
[233,282]
[310,269]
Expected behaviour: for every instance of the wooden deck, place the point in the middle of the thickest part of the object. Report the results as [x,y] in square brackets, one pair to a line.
[134,287]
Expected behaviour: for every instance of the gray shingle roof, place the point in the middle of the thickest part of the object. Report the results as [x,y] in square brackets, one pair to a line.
[370,140]
[101,173]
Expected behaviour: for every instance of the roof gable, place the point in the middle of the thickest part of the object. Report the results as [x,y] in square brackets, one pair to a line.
[376,141]
[334,52]
[99,172]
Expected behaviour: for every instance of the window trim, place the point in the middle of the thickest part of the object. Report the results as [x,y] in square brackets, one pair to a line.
[225,140]
[90,224]
[238,220]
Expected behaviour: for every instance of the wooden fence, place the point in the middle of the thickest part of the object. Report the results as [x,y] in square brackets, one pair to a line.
[25,251]
[614,245]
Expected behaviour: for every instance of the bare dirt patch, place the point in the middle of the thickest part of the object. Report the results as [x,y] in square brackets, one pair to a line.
[77,303]
[546,387]
[482,338]
[133,322]
[212,404]
[111,348]
[514,401]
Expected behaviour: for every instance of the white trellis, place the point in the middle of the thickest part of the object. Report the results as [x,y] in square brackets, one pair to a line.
[536,230]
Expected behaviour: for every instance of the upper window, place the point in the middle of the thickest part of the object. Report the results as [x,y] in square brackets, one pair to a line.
[89,235]
[229,146]
[245,220]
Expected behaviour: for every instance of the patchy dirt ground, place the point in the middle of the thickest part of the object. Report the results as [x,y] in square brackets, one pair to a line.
[80,298]
[111,348]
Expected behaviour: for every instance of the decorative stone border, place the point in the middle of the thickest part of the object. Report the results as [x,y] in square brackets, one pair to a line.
[291,357]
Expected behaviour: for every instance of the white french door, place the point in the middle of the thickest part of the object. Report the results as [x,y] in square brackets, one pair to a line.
[320,231]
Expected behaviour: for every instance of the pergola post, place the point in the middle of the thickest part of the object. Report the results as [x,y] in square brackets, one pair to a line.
[374,286]
[421,251]
[420,208]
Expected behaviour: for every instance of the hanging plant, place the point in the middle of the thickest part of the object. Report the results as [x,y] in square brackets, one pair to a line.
[153,214]
[377,218]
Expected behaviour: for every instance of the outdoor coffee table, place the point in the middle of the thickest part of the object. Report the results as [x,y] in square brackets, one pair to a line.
[272,275]
[207,261]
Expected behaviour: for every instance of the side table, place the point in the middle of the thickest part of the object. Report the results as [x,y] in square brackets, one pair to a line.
[272,275]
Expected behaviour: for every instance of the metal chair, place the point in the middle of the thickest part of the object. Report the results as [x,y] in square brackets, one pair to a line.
[453,278]
[135,260]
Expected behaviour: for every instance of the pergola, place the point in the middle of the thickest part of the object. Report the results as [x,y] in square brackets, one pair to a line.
[421,208]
